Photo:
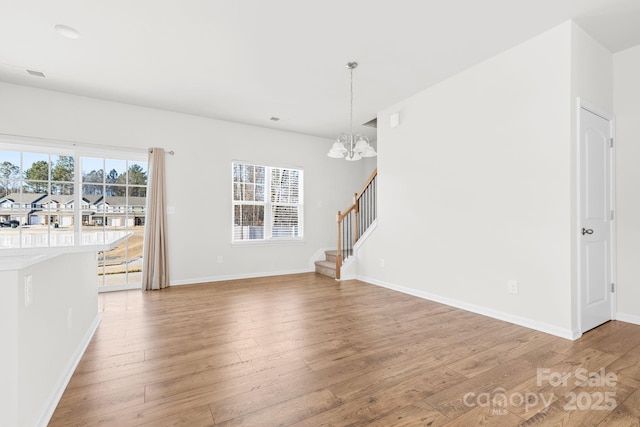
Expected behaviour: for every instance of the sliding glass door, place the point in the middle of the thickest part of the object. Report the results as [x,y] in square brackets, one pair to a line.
[114,199]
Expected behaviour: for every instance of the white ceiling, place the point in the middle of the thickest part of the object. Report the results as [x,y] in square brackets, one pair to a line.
[249,60]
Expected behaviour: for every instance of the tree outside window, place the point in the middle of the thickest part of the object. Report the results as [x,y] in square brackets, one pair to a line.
[267,202]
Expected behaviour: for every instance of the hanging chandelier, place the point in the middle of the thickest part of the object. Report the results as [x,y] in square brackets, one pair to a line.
[351,146]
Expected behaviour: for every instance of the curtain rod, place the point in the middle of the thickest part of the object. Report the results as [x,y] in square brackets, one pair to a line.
[168,152]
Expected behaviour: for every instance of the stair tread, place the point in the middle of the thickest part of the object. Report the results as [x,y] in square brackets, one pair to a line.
[326,264]
[335,253]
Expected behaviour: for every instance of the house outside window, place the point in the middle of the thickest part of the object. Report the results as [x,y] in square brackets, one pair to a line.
[267,203]
[32,187]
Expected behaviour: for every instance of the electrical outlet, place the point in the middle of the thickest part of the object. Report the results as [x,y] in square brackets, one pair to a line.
[382,262]
[220,259]
[28,290]
[512,286]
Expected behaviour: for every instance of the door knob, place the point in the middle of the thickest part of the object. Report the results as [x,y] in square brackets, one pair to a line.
[586,231]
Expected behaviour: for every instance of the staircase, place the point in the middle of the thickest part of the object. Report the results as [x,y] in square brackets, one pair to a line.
[352,224]
[328,266]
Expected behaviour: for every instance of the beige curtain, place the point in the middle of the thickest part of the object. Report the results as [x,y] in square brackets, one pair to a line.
[155,267]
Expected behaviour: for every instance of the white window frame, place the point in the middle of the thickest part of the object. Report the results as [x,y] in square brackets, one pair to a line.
[267,204]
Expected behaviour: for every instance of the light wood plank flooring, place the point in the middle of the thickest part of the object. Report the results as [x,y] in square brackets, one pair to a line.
[305,350]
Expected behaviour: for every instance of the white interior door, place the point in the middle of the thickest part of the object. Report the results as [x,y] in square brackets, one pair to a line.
[596,215]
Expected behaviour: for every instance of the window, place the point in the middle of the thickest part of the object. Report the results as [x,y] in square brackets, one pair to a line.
[267,203]
[34,188]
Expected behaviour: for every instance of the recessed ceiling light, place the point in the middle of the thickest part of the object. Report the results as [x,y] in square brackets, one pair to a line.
[36,73]
[67,31]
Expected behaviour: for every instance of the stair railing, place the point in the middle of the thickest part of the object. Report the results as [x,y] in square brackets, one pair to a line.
[355,221]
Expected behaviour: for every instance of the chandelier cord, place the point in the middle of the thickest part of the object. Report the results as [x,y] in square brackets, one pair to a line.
[351,104]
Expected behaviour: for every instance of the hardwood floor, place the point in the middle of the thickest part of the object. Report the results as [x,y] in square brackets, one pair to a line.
[304,350]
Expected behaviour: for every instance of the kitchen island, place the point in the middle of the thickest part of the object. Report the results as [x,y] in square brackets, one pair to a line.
[48,314]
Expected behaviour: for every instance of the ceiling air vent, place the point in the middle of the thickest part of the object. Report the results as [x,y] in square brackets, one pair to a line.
[36,73]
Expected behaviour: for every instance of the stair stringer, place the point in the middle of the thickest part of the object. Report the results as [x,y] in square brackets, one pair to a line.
[349,269]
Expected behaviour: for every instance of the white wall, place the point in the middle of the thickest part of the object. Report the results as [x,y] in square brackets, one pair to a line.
[199,175]
[591,70]
[369,165]
[481,191]
[627,112]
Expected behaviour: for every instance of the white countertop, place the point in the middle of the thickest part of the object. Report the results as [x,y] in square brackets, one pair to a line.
[19,250]
[18,262]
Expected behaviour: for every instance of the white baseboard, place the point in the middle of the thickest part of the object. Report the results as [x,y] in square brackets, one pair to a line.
[495,314]
[198,280]
[629,318]
[507,317]
[66,374]
[318,256]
